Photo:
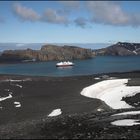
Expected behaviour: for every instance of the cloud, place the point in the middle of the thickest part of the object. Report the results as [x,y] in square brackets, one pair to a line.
[52,16]
[80,21]
[101,12]
[25,13]
[135,19]
[107,12]
[49,15]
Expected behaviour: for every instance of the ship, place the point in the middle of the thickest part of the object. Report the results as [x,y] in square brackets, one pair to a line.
[64,64]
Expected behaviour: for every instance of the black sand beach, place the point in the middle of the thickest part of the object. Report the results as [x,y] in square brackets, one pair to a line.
[80,117]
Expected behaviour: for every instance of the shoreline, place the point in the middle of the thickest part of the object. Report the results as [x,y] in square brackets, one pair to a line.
[72,76]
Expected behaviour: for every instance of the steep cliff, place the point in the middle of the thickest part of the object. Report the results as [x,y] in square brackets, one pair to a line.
[46,53]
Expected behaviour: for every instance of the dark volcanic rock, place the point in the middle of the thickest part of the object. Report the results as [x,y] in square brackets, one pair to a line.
[46,53]
[120,49]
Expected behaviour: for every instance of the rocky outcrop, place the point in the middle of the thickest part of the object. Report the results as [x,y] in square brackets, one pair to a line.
[66,52]
[120,49]
[47,53]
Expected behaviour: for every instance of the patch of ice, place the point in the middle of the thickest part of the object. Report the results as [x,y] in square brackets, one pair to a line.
[97,78]
[4,98]
[17,85]
[125,122]
[135,103]
[17,104]
[99,109]
[55,112]
[111,92]
[127,113]
[20,86]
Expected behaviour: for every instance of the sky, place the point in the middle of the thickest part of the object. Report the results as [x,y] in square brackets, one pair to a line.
[69,21]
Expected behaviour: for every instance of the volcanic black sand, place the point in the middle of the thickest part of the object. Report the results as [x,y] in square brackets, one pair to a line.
[80,117]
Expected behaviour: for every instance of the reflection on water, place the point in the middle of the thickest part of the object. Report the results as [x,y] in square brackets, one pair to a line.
[67,67]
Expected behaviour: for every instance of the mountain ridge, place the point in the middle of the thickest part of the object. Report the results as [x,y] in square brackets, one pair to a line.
[120,49]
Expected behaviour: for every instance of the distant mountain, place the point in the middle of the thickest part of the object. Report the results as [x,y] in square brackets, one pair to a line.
[19,46]
[46,53]
[120,49]
[36,46]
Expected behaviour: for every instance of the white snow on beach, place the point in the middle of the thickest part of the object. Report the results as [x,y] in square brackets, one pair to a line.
[20,86]
[100,109]
[17,104]
[125,122]
[55,112]
[127,113]
[4,98]
[97,78]
[16,85]
[16,80]
[111,92]
[11,80]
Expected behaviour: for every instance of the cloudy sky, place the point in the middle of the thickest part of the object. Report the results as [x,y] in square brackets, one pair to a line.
[69,21]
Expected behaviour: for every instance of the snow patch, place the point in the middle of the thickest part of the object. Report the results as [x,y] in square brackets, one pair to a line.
[55,112]
[135,52]
[111,92]
[20,86]
[4,98]
[17,85]
[99,109]
[125,122]
[97,78]
[17,104]
[128,113]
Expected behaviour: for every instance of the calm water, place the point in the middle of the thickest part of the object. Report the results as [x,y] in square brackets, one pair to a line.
[100,64]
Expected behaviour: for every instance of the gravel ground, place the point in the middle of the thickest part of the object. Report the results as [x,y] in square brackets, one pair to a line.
[79,119]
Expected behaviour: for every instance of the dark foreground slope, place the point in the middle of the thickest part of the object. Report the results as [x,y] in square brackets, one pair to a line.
[75,126]
[80,117]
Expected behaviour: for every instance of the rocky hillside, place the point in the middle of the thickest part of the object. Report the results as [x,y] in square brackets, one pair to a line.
[46,53]
[120,49]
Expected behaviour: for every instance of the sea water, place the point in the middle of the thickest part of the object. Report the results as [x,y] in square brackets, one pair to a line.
[99,64]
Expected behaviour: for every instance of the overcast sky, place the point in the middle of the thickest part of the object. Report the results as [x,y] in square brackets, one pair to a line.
[69,21]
